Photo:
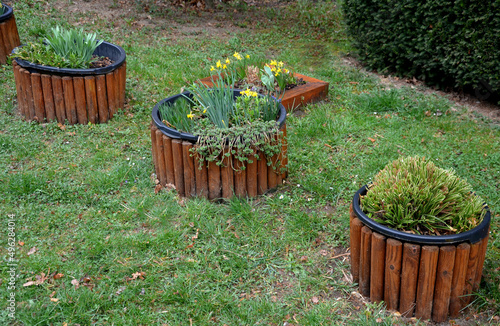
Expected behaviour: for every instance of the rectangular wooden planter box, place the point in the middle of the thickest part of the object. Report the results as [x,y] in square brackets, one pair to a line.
[312,91]
[426,281]
[174,165]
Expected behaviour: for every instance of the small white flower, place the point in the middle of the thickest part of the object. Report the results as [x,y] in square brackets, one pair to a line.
[281,197]
[298,185]
[309,199]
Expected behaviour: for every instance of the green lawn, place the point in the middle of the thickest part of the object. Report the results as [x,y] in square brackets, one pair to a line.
[113,252]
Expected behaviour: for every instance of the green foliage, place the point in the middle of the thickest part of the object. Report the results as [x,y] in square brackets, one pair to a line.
[412,194]
[446,43]
[63,49]
[3,9]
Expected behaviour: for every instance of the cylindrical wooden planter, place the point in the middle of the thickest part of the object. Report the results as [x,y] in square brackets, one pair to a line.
[175,164]
[72,95]
[429,277]
[9,37]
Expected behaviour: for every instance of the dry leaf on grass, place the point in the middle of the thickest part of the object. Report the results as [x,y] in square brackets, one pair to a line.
[32,251]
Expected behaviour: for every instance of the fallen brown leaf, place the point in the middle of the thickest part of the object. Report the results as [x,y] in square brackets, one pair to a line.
[54,299]
[58,276]
[32,251]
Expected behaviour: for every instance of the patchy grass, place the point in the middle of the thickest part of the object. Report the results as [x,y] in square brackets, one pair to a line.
[105,249]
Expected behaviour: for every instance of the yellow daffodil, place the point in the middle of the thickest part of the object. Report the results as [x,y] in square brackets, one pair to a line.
[224,67]
[223,122]
[247,56]
[205,111]
[274,63]
[218,65]
[286,71]
[237,56]
[190,115]
[280,64]
[212,68]
[228,61]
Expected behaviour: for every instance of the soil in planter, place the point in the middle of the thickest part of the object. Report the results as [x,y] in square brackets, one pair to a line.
[101,62]
[241,84]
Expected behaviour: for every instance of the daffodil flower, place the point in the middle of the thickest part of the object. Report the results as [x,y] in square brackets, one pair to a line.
[247,56]
[218,65]
[237,56]
[224,67]
[280,64]
[190,115]
[205,111]
[212,68]
[274,63]
[223,122]
[228,61]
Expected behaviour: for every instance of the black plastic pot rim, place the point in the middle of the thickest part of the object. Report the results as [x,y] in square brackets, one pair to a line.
[7,14]
[472,236]
[175,134]
[118,61]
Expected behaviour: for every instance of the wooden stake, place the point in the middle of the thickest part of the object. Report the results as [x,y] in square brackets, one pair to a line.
[189,169]
[169,160]
[57,89]
[153,129]
[226,174]
[251,172]
[110,89]
[214,181]
[262,186]
[442,290]
[393,258]
[122,84]
[102,98]
[272,180]
[201,174]
[457,302]
[470,277]
[178,166]
[377,268]
[160,157]
[14,32]
[116,88]
[355,238]
[364,261]
[48,98]
[426,281]
[21,101]
[36,87]
[240,178]
[91,98]
[3,49]
[409,275]
[69,100]
[4,42]
[80,99]
[480,262]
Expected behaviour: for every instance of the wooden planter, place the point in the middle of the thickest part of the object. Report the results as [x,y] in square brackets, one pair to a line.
[312,91]
[9,37]
[429,277]
[73,95]
[176,165]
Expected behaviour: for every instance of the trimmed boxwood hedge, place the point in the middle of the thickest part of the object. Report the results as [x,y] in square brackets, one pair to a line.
[443,42]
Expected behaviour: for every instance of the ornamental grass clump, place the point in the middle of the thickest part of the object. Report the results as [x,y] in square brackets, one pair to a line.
[62,49]
[3,9]
[415,196]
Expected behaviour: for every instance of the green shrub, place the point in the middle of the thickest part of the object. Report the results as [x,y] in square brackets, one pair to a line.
[443,42]
[412,194]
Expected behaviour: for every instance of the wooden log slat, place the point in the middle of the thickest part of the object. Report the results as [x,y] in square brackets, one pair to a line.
[21,101]
[15,32]
[80,99]
[394,256]
[178,166]
[214,181]
[272,180]
[102,98]
[189,170]
[480,262]
[116,88]
[377,267]
[426,281]
[160,158]
[457,301]
[5,41]
[364,261]
[262,186]
[36,88]
[69,100]
[3,49]
[112,99]
[442,291]
[226,174]
[122,84]
[409,276]
[168,158]
[48,97]
[91,98]
[8,35]
[153,129]
[58,92]
[252,170]
[29,93]
[240,178]
[470,277]
[284,150]
[355,239]
[201,173]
